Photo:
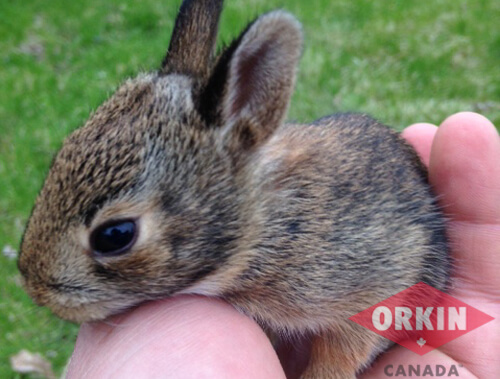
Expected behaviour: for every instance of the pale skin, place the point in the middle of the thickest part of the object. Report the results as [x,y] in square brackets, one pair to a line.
[196,337]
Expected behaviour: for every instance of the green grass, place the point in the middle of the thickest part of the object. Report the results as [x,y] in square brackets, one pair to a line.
[403,61]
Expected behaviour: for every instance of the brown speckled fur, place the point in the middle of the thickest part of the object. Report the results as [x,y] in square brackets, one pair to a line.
[299,226]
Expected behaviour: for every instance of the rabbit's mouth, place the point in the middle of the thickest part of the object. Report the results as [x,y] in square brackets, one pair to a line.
[76,303]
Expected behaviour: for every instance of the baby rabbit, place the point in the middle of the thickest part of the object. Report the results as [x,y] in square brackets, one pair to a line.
[187,181]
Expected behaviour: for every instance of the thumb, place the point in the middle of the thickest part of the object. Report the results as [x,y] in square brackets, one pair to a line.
[181,337]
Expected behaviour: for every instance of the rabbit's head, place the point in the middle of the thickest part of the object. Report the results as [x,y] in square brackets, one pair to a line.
[142,201]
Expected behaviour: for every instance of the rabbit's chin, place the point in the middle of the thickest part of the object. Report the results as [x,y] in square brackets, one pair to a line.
[95,311]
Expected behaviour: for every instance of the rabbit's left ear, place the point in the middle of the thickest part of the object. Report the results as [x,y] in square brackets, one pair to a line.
[255,77]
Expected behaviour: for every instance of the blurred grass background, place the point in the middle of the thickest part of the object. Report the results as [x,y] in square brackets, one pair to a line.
[402,61]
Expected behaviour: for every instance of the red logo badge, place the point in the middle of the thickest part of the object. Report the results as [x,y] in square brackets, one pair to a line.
[421,318]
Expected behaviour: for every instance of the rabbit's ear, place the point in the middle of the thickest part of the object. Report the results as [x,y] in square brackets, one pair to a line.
[193,39]
[259,78]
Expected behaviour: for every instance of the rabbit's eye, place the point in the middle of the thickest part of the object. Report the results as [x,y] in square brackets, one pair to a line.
[114,238]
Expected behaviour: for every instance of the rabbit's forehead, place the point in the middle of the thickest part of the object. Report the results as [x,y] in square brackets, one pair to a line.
[111,154]
[141,102]
[175,92]
[167,95]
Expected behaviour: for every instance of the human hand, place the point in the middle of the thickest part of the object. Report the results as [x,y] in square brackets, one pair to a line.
[188,337]
[463,157]
[181,337]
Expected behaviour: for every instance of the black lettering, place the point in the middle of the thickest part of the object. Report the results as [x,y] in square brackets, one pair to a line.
[428,371]
[388,370]
[440,370]
[400,371]
[414,370]
[453,370]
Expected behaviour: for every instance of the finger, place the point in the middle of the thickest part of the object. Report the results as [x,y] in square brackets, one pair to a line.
[420,136]
[183,337]
[464,168]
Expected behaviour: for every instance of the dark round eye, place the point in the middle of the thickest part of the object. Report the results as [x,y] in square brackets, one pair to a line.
[114,238]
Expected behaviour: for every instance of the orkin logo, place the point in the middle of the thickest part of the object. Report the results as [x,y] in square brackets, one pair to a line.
[421,318]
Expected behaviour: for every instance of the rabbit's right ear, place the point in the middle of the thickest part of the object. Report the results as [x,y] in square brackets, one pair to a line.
[255,77]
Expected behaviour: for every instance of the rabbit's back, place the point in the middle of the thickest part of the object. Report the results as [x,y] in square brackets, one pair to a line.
[343,216]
